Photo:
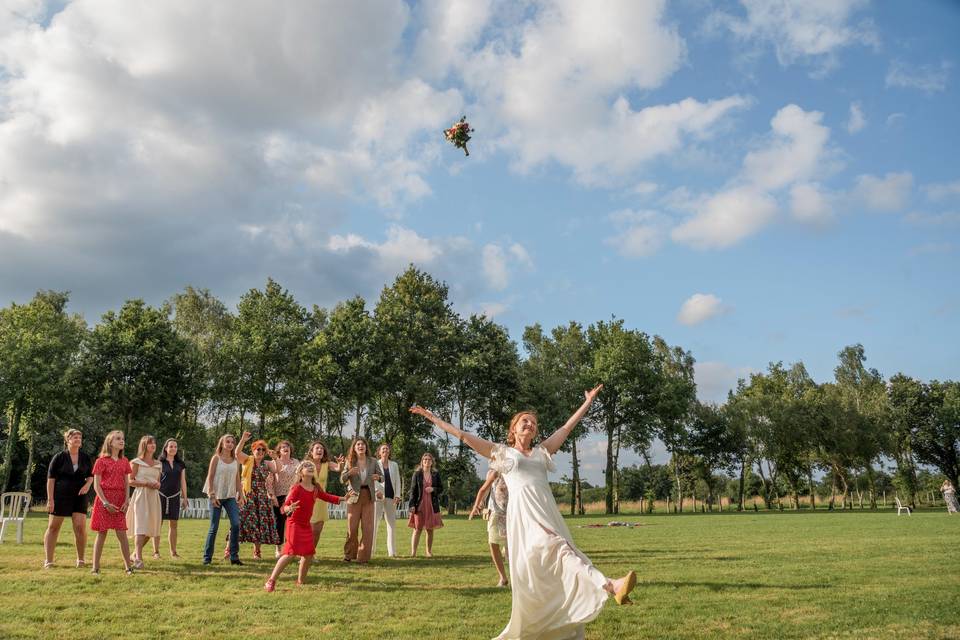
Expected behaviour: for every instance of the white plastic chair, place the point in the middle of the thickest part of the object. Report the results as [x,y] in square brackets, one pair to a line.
[901,507]
[13,508]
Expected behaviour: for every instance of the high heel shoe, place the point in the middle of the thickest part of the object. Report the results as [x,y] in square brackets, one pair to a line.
[627,583]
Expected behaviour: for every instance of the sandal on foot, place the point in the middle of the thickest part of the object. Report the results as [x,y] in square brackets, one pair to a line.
[269,586]
[81,564]
[627,584]
[47,565]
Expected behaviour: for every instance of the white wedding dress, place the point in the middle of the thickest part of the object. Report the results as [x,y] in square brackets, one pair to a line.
[556,589]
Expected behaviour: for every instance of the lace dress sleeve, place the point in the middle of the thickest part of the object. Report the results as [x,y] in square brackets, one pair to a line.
[500,460]
[547,459]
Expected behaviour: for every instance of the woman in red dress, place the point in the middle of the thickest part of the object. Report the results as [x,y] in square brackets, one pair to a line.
[299,534]
[426,488]
[111,482]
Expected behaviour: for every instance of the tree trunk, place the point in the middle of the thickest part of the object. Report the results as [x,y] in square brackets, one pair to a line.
[28,472]
[833,489]
[676,472]
[575,481]
[616,474]
[813,498]
[743,473]
[608,472]
[763,484]
[7,467]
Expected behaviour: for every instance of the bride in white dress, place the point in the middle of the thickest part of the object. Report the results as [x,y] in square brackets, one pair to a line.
[556,589]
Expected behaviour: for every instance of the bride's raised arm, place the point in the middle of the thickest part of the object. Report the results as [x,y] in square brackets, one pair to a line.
[557,438]
[481,446]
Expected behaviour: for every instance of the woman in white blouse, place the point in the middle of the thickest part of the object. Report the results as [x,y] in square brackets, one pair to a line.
[224,489]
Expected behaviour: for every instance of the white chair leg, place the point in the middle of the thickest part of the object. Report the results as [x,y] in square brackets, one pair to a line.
[20,532]
[3,530]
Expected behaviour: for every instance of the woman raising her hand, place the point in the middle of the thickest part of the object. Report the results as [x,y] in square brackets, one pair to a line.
[556,589]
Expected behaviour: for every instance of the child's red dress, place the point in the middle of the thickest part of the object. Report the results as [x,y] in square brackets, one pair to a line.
[299,534]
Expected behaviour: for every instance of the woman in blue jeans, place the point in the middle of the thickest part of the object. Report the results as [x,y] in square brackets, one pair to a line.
[224,490]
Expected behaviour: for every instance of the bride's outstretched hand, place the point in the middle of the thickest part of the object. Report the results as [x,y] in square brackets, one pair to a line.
[591,395]
[420,411]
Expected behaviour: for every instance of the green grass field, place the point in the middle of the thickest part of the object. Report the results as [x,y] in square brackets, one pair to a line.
[766,575]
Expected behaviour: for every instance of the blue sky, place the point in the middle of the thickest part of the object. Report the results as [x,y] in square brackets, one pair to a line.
[755,181]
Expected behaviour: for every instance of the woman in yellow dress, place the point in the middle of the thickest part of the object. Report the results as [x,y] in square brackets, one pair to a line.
[320,456]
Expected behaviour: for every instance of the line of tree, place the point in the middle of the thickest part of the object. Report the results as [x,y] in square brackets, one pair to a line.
[193,369]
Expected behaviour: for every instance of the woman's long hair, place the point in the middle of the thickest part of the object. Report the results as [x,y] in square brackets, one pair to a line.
[433,463]
[352,454]
[142,447]
[326,451]
[233,452]
[108,444]
[163,451]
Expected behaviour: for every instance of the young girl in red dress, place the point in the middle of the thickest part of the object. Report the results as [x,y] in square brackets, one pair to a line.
[299,535]
[111,483]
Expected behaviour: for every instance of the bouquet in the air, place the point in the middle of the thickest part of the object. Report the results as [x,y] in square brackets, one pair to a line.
[459,134]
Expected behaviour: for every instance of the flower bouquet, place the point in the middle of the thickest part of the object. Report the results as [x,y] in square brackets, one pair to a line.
[459,134]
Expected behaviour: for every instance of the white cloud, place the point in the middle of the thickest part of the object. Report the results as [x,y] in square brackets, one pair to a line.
[894,119]
[638,233]
[927,78]
[554,87]
[794,152]
[812,31]
[725,218]
[809,204]
[699,308]
[493,309]
[521,255]
[857,120]
[715,379]
[942,191]
[889,193]
[496,262]
[495,267]
[645,188]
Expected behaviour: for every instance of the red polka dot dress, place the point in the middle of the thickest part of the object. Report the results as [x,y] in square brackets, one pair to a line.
[113,483]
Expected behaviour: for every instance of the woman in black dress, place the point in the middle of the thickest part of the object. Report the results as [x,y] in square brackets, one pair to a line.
[173,493]
[69,477]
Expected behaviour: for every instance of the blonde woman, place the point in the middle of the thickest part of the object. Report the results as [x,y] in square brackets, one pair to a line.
[319,455]
[225,492]
[111,483]
[360,476]
[426,487]
[69,478]
[143,516]
[556,589]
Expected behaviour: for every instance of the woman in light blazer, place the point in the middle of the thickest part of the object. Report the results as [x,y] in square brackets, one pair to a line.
[389,491]
[360,476]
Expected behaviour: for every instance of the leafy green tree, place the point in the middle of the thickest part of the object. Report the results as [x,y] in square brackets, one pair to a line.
[937,439]
[865,393]
[348,339]
[415,330]
[675,394]
[38,342]
[266,346]
[908,407]
[554,375]
[626,409]
[135,367]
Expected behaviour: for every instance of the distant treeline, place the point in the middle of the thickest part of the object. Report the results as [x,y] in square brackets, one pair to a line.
[193,369]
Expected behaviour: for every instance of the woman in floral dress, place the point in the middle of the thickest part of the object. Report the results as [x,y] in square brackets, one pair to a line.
[257,522]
